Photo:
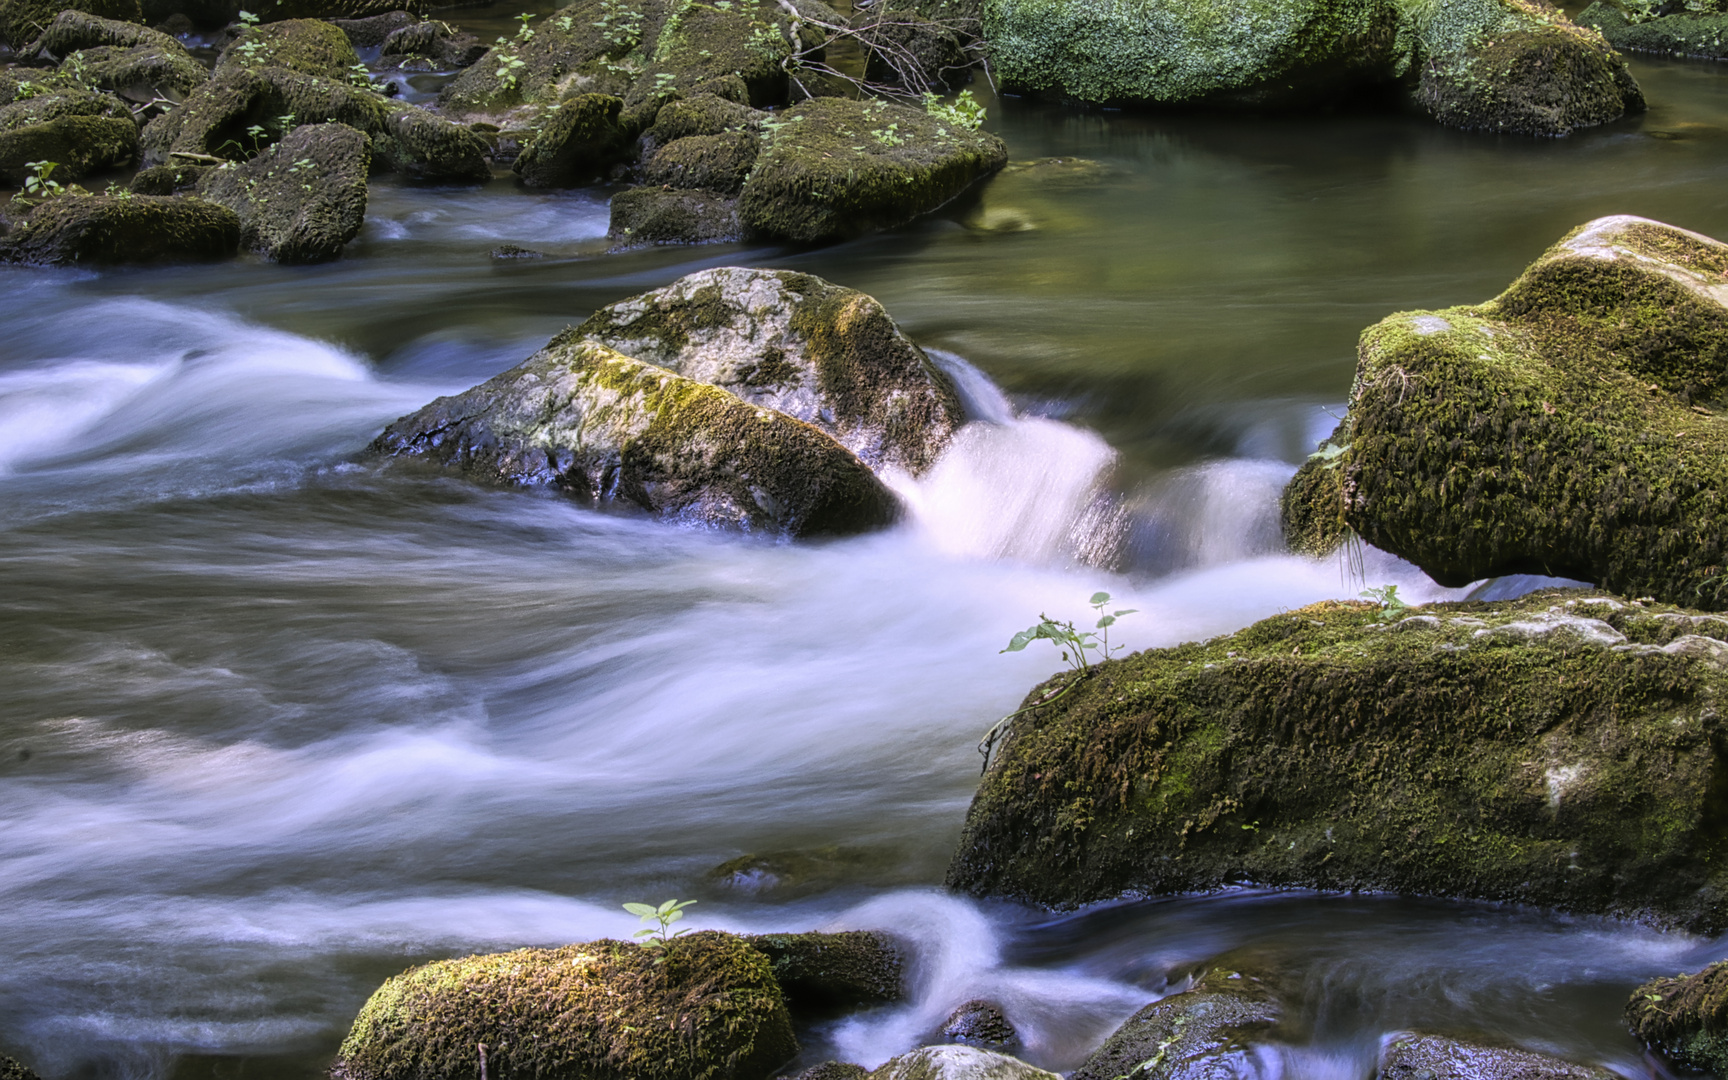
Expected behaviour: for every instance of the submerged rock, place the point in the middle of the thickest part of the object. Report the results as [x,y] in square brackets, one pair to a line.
[980,1023]
[1567,427]
[1685,1018]
[835,168]
[602,426]
[1555,750]
[605,1009]
[825,355]
[838,970]
[301,200]
[1413,1056]
[1202,1034]
[958,1063]
[122,229]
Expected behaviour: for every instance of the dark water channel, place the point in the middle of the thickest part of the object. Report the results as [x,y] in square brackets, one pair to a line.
[274,725]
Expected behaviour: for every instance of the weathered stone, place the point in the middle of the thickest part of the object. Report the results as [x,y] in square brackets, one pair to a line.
[308,46]
[142,72]
[167,179]
[834,1070]
[826,355]
[579,139]
[374,30]
[1701,35]
[606,1010]
[72,30]
[602,426]
[428,147]
[437,42]
[958,1063]
[1566,427]
[122,229]
[78,145]
[704,114]
[651,215]
[22,21]
[840,970]
[1685,1018]
[277,10]
[1205,1033]
[1547,80]
[301,200]
[57,106]
[909,50]
[980,1023]
[709,162]
[1557,750]
[241,111]
[1413,1056]
[834,168]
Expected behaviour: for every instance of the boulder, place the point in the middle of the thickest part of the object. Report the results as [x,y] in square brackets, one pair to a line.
[1409,1055]
[834,168]
[825,355]
[958,1063]
[844,970]
[308,46]
[72,30]
[980,1023]
[1557,750]
[1685,1018]
[192,15]
[909,50]
[605,1010]
[749,40]
[834,1070]
[1700,34]
[301,200]
[78,145]
[1205,1033]
[578,141]
[601,426]
[277,10]
[436,42]
[122,229]
[651,215]
[22,21]
[1567,427]
[167,179]
[374,30]
[424,146]
[55,106]
[718,163]
[703,114]
[241,111]
[1483,62]
[142,73]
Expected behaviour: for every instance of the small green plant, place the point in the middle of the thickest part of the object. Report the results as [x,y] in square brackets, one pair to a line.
[889,136]
[965,110]
[115,191]
[247,19]
[656,938]
[28,90]
[1387,597]
[1073,642]
[37,182]
[508,65]
[522,32]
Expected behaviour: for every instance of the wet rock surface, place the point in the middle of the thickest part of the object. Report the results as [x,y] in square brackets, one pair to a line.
[979,1023]
[1684,1018]
[1204,1033]
[1554,750]
[958,1063]
[301,200]
[829,971]
[121,229]
[1415,1056]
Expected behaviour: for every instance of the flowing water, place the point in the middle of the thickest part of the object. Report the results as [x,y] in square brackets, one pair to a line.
[275,724]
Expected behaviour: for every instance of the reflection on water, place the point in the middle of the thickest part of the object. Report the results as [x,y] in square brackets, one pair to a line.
[275,722]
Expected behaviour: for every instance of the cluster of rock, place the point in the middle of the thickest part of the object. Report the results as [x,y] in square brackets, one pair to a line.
[1694,28]
[759,400]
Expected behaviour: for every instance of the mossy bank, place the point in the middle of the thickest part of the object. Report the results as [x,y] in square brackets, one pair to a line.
[1559,750]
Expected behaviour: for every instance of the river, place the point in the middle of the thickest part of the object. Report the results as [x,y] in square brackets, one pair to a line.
[275,724]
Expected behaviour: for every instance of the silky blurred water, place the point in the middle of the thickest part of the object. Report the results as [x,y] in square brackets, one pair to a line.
[275,722]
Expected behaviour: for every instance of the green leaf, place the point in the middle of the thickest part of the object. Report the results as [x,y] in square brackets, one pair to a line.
[645,931]
[673,917]
[1099,598]
[1106,621]
[644,910]
[1125,611]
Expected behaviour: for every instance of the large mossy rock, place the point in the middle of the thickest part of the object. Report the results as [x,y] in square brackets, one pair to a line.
[1410,1055]
[844,970]
[1501,65]
[651,215]
[600,1011]
[578,141]
[72,30]
[242,110]
[1685,1018]
[1568,427]
[1558,750]
[958,1062]
[122,229]
[822,354]
[276,10]
[301,200]
[581,418]
[1699,34]
[309,46]
[21,21]
[834,168]
[1204,1033]
[78,145]
[143,73]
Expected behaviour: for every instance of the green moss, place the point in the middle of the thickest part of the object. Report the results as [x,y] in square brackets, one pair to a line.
[651,215]
[428,147]
[703,114]
[275,10]
[219,117]
[72,30]
[308,46]
[80,145]
[301,200]
[834,168]
[844,970]
[167,179]
[1701,35]
[22,20]
[701,43]
[61,104]
[106,229]
[1545,80]
[1498,751]
[1188,1034]
[578,141]
[710,162]
[1567,427]
[600,1011]
[1685,1017]
[171,70]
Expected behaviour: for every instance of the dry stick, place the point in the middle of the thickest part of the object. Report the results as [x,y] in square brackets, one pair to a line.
[482,1048]
[207,159]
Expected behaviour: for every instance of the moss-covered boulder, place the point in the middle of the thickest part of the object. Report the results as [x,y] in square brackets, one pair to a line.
[1203,1033]
[425,146]
[1557,750]
[78,145]
[586,420]
[651,215]
[241,111]
[301,200]
[22,21]
[717,163]
[72,30]
[702,44]
[1408,1055]
[1699,34]
[1567,427]
[374,30]
[605,1010]
[702,114]
[578,141]
[826,355]
[980,1022]
[42,108]
[167,179]
[277,10]
[1685,1018]
[122,229]
[909,50]
[958,1063]
[842,970]
[435,42]
[308,46]
[834,168]
[1504,65]
[142,72]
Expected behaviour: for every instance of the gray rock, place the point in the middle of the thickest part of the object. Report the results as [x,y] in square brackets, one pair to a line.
[1411,1056]
[301,200]
[652,215]
[426,146]
[373,31]
[718,163]
[825,355]
[73,30]
[980,1023]
[1202,1034]
[958,1063]
[834,1070]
